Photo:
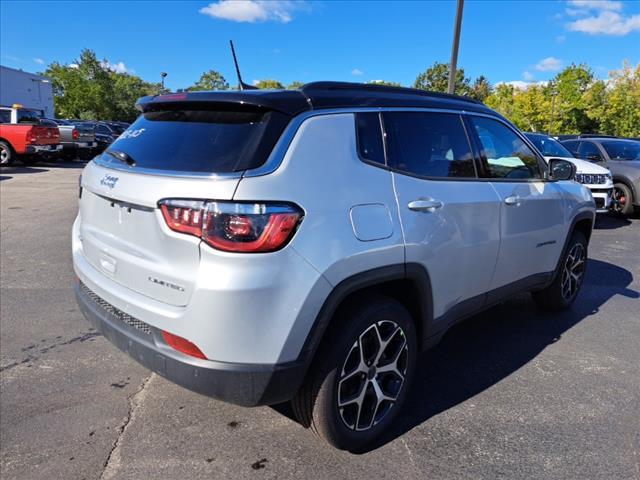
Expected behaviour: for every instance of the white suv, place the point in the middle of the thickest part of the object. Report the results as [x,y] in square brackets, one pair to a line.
[595,177]
[267,246]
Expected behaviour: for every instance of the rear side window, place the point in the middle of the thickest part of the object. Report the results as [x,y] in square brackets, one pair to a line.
[369,134]
[201,141]
[5,116]
[588,151]
[428,144]
[504,154]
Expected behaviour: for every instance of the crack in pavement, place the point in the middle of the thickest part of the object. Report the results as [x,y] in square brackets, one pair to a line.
[112,463]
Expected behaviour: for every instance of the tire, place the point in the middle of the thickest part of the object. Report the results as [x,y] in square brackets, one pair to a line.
[622,201]
[566,286]
[6,154]
[338,374]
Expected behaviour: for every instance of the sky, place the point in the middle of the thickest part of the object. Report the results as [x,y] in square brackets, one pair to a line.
[506,41]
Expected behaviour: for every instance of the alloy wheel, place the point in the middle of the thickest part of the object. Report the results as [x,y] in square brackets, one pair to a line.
[619,200]
[372,375]
[4,156]
[573,271]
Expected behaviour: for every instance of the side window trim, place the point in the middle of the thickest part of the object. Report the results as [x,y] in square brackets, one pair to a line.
[460,116]
[541,163]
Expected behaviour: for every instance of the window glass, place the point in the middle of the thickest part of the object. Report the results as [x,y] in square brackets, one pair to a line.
[588,151]
[548,146]
[5,116]
[201,140]
[573,146]
[104,130]
[622,149]
[504,153]
[28,116]
[428,144]
[369,136]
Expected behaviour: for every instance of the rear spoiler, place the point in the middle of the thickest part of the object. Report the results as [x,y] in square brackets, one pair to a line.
[289,102]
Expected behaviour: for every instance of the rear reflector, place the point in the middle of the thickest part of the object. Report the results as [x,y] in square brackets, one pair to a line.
[234,227]
[182,345]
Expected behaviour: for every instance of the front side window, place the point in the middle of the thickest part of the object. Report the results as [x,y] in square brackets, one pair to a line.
[369,135]
[504,154]
[573,146]
[588,151]
[428,144]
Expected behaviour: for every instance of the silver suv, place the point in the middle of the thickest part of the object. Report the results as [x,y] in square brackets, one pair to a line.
[269,246]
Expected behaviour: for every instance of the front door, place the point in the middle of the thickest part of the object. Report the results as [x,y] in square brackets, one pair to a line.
[532,208]
[450,219]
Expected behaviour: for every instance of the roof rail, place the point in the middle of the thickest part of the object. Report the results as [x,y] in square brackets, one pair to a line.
[372,87]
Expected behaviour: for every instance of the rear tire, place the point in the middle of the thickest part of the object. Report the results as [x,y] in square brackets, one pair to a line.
[566,286]
[6,154]
[360,377]
[622,201]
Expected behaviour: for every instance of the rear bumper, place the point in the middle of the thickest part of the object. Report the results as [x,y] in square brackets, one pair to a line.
[43,148]
[79,145]
[242,384]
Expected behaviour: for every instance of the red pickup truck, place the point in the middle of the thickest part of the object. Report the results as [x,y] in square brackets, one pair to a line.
[25,140]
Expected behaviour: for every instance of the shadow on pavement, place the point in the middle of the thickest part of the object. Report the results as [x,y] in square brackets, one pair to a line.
[40,167]
[610,222]
[489,347]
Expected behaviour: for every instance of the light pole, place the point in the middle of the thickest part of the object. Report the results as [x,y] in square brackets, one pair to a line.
[162,75]
[454,48]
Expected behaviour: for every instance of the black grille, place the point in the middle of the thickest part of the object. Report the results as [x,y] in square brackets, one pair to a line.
[591,178]
[599,202]
[115,312]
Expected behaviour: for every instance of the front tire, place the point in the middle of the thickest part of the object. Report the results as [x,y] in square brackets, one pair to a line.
[622,201]
[566,286]
[361,375]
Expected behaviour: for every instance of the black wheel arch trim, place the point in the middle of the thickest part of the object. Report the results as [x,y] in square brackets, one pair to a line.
[630,185]
[413,272]
[582,216]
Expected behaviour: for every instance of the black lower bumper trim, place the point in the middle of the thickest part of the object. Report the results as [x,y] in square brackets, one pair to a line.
[242,384]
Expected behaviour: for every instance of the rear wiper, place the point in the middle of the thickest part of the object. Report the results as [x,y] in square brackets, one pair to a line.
[122,156]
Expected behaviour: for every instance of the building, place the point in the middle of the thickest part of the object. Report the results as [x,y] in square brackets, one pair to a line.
[32,91]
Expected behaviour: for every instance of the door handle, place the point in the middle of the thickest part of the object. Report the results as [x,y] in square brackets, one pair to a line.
[513,200]
[425,205]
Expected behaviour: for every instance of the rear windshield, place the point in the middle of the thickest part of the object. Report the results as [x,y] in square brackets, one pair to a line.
[200,141]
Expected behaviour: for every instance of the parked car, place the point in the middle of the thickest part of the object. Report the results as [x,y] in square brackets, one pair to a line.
[622,157]
[262,246]
[596,178]
[105,134]
[24,138]
[77,140]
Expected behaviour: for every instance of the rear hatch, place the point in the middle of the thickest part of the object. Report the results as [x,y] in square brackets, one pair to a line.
[180,152]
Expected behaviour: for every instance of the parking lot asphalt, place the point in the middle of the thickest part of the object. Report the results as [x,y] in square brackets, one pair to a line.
[512,393]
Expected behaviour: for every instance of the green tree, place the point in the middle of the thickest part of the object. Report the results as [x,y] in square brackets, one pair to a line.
[502,99]
[569,87]
[617,105]
[436,79]
[88,89]
[210,80]
[384,82]
[295,85]
[269,84]
[480,89]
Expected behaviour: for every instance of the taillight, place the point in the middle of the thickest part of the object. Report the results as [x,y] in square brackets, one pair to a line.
[31,136]
[232,226]
[182,345]
[75,134]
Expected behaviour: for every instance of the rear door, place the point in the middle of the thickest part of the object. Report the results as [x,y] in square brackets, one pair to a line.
[180,154]
[532,209]
[450,219]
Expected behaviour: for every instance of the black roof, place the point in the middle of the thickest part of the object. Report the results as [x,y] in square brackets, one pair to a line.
[320,95]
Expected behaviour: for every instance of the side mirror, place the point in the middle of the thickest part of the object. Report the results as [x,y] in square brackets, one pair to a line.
[561,169]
